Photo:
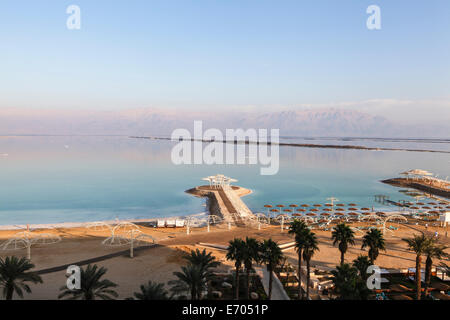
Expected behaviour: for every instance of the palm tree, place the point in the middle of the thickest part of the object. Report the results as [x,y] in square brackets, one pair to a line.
[192,279]
[202,259]
[151,291]
[375,241]
[235,253]
[361,263]
[343,235]
[14,273]
[310,247]
[91,285]
[299,229]
[250,254]
[348,284]
[272,256]
[419,245]
[433,251]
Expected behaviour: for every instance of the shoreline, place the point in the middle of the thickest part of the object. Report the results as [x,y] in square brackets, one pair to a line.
[83,224]
[402,182]
[298,145]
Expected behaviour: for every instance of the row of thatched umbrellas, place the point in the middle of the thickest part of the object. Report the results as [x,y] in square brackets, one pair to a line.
[431,207]
[313,211]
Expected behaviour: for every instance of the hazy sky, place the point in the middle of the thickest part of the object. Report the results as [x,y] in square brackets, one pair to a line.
[224,54]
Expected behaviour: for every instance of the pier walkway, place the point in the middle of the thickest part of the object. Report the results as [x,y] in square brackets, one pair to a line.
[228,202]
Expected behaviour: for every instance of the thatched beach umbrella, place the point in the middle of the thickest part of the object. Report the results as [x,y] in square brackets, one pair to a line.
[287,210]
[293,205]
[352,204]
[274,210]
[301,210]
[328,204]
[311,214]
[280,205]
[340,214]
[353,214]
[317,205]
[325,214]
[365,209]
[296,215]
[426,207]
[352,209]
[340,209]
[305,205]
[420,203]
[314,210]
[340,205]
[327,209]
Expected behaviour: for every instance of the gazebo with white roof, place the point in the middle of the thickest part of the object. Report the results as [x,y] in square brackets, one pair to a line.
[219,180]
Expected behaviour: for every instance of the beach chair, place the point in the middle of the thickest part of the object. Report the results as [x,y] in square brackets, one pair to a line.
[160,223]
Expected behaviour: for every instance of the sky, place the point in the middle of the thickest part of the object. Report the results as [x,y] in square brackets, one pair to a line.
[227,54]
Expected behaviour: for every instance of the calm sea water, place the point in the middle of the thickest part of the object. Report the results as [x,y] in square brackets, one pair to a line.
[71,179]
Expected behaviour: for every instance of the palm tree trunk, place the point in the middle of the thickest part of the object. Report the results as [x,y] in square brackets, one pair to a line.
[342,258]
[248,283]
[270,283]
[428,266]
[307,279]
[372,256]
[300,292]
[9,292]
[418,276]
[193,294]
[237,283]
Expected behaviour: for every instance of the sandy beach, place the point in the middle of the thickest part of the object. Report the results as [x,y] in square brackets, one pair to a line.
[159,262]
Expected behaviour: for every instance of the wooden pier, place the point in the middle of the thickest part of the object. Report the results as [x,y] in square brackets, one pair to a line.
[226,202]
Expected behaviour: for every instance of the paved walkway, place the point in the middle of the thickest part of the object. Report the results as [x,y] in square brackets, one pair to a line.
[278,292]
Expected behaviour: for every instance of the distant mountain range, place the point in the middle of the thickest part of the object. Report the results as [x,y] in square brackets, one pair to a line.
[314,122]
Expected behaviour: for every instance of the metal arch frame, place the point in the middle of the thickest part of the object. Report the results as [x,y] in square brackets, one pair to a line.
[358,233]
[372,217]
[99,226]
[262,218]
[129,238]
[26,239]
[390,217]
